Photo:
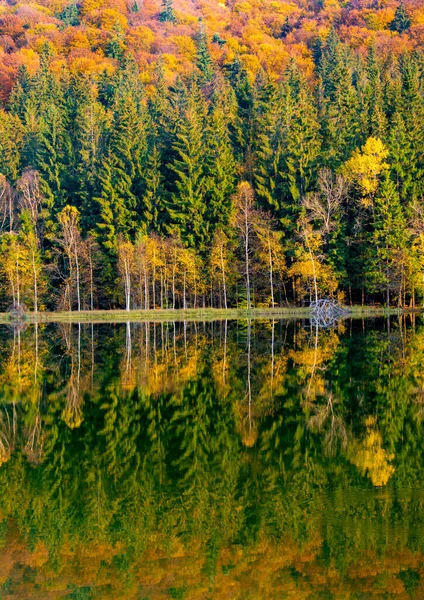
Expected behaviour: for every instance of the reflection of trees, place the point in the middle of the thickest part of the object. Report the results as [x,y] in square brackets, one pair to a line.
[35,438]
[326,418]
[159,480]
[7,432]
[72,413]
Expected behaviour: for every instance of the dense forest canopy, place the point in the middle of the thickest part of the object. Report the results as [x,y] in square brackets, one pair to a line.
[183,154]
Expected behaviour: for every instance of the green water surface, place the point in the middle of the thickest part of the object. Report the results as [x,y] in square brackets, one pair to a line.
[224,460]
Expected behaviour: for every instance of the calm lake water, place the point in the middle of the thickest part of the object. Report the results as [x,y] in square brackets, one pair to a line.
[222,460]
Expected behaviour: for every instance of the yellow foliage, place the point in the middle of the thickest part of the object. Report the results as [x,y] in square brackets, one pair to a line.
[366,165]
[251,64]
[91,64]
[30,59]
[141,38]
[80,40]
[370,457]
[91,5]
[186,46]
[110,19]
[379,20]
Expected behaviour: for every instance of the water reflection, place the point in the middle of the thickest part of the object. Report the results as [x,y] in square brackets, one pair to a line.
[212,460]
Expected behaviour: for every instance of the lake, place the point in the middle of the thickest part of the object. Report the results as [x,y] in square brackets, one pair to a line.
[224,460]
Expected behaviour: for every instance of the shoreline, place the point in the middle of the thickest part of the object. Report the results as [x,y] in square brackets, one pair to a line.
[196,314]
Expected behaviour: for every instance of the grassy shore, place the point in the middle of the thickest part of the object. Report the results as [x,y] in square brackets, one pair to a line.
[192,314]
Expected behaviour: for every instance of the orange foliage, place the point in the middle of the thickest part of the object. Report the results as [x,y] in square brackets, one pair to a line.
[250,29]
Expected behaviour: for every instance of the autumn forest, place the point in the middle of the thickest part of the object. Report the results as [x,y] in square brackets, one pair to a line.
[182,154]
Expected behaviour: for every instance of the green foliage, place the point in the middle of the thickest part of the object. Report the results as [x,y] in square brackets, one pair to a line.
[401,21]
[167,14]
[70,15]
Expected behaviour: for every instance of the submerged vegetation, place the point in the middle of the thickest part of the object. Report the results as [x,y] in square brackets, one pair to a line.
[192,155]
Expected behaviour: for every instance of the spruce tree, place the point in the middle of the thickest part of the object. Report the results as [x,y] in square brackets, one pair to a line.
[152,203]
[167,15]
[412,111]
[388,242]
[70,15]
[221,170]
[401,21]
[187,209]
[203,58]
[339,103]
[376,122]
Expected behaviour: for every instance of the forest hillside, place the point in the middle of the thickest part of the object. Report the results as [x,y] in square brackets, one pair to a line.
[183,154]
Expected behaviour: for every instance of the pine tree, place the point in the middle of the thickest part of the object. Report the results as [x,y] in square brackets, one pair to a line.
[221,170]
[70,15]
[388,243]
[188,208]
[412,111]
[152,203]
[203,58]
[167,14]
[401,21]
[339,105]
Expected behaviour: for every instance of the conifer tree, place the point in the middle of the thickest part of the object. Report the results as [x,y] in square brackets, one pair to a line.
[203,59]
[188,208]
[153,197]
[412,111]
[401,21]
[221,170]
[167,14]
[388,244]
[376,119]
[339,106]
[89,140]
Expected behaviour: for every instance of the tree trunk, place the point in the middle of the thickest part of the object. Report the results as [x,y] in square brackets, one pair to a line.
[78,280]
[271,279]
[224,286]
[246,250]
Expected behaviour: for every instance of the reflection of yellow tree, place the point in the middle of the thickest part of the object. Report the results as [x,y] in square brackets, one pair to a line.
[326,418]
[7,433]
[34,447]
[72,413]
[370,457]
[311,353]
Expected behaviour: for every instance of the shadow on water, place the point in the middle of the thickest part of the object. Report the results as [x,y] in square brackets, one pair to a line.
[241,459]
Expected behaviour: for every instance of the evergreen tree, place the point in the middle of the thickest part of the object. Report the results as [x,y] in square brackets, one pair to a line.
[339,105]
[188,208]
[167,14]
[70,15]
[89,140]
[203,59]
[376,119]
[401,21]
[412,111]
[153,197]
[221,170]
[386,268]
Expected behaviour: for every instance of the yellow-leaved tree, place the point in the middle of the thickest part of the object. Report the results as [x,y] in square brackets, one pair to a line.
[365,166]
